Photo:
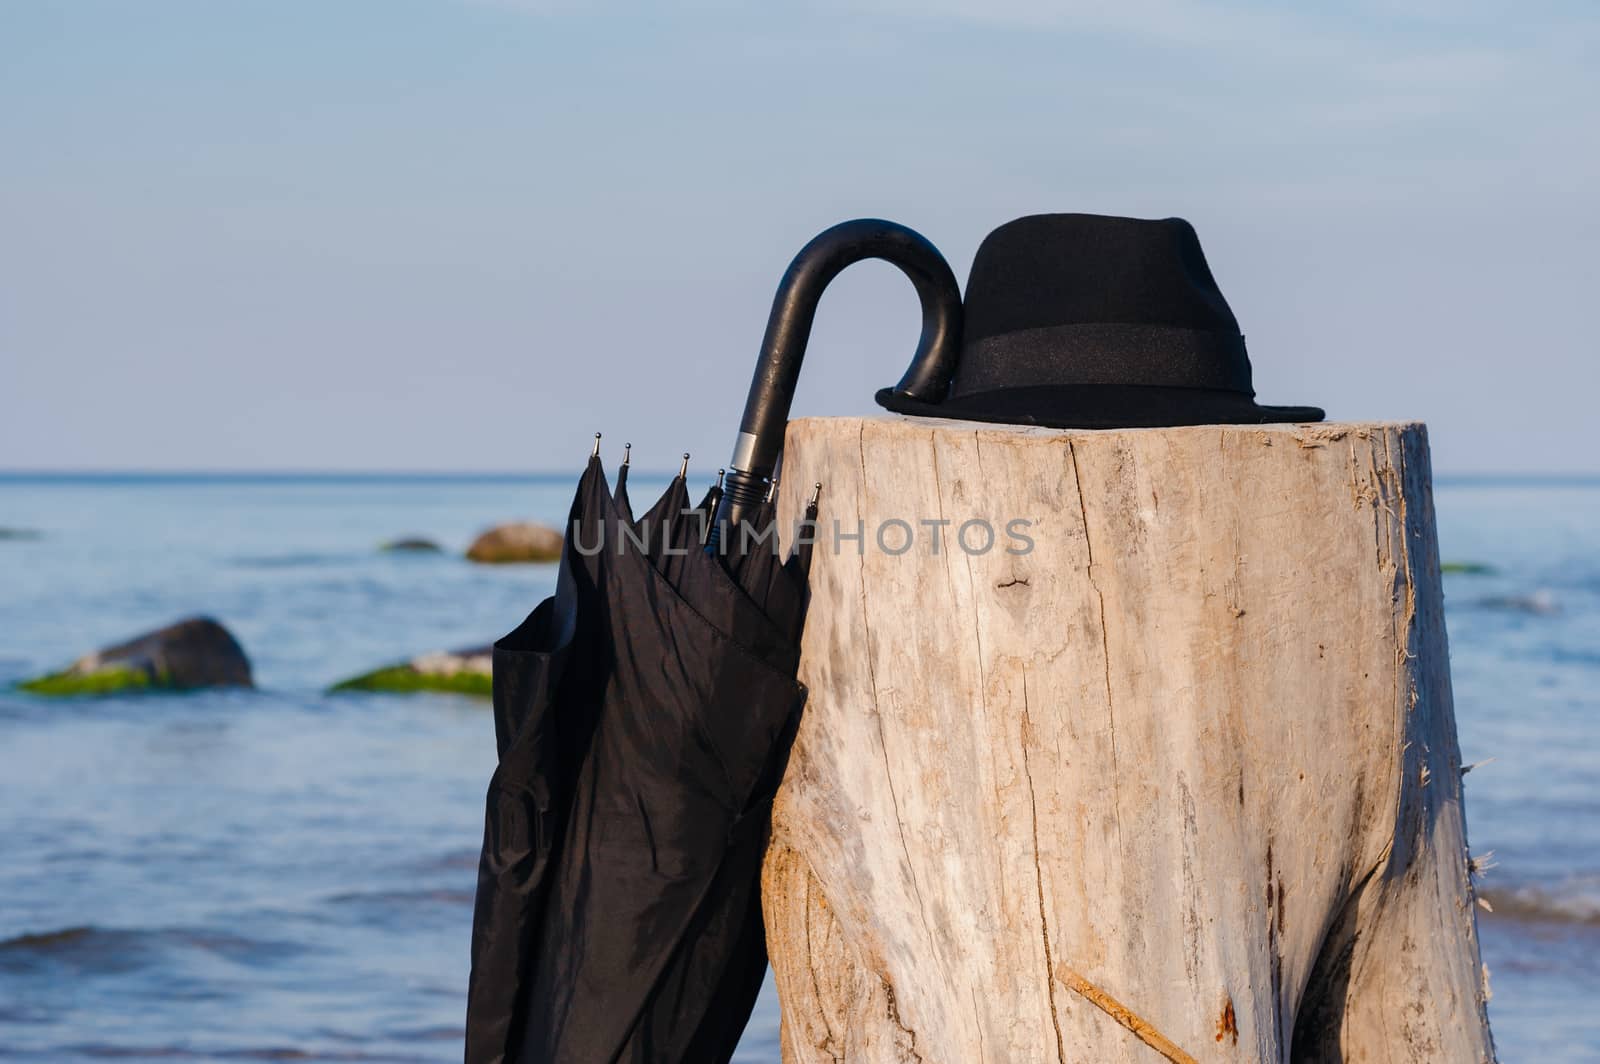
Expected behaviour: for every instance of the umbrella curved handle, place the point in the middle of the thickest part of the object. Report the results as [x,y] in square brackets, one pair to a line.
[766,411]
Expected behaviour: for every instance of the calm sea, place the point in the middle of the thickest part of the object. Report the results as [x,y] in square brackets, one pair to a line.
[287,874]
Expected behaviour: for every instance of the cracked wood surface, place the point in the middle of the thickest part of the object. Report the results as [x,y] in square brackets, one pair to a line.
[1179,783]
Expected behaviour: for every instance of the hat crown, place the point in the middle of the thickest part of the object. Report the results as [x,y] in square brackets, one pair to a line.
[1085,269]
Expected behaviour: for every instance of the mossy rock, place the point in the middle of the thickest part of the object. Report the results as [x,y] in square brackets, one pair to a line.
[1468,568]
[403,678]
[109,680]
[462,672]
[519,541]
[193,653]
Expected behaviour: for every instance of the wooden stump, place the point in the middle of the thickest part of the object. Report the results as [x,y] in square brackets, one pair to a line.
[1179,782]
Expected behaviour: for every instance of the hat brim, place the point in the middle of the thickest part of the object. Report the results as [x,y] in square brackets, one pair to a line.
[1102,406]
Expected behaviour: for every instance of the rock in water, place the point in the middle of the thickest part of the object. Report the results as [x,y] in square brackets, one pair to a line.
[411,544]
[519,541]
[197,652]
[1541,602]
[466,672]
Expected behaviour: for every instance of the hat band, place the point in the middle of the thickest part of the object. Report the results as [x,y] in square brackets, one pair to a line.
[1158,355]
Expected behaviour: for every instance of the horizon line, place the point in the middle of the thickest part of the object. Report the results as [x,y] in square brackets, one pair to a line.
[1530,475]
[290,471]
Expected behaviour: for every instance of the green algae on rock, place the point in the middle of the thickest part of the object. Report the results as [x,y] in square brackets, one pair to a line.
[107,680]
[193,653]
[465,672]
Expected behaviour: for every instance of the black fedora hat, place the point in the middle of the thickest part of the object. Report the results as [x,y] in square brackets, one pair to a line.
[1088,321]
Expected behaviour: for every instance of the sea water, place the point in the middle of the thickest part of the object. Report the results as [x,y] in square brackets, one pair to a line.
[288,874]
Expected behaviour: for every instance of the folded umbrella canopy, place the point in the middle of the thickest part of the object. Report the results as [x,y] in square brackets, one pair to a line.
[642,718]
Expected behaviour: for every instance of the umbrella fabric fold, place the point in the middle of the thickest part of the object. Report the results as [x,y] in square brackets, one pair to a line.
[543,713]
[649,705]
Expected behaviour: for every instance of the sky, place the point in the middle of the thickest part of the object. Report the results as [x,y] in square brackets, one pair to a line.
[469,234]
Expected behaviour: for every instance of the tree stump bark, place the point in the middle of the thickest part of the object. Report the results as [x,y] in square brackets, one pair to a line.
[1181,781]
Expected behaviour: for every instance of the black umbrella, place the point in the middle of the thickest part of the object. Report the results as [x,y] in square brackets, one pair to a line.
[643,715]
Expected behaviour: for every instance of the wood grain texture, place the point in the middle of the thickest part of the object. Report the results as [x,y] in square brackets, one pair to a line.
[1180,782]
